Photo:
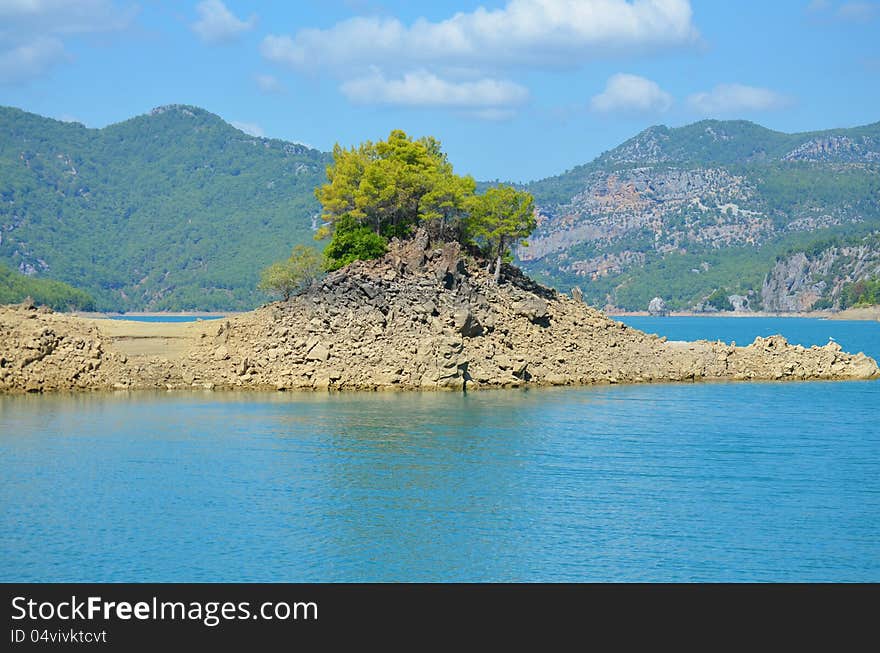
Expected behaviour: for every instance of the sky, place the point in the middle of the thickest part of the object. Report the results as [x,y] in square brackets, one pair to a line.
[515,90]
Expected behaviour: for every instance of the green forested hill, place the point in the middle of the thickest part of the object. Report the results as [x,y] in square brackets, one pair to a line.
[168,211]
[15,287]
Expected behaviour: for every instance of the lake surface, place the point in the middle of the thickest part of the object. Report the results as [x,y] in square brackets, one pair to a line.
[853,336]
[679,482]
[164,318]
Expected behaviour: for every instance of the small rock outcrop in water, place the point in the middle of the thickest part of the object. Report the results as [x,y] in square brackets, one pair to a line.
[657,307]
[420,317]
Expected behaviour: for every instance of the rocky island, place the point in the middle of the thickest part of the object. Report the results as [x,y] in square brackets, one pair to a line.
[420,317]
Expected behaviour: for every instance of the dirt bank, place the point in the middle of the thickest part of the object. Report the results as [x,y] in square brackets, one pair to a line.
[860,313]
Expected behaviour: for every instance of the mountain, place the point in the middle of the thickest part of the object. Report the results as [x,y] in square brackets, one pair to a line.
[168,211]
[702,212]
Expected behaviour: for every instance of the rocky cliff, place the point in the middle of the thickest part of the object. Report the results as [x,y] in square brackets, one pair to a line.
[805,280]
[662,210]
[421,317]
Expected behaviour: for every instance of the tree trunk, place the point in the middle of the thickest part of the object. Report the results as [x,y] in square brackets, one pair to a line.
[498,261]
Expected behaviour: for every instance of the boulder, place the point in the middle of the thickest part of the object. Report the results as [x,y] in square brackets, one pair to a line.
[740,303]
[466,323]
[221,353]
[319,352]
[657,307]
[533,308]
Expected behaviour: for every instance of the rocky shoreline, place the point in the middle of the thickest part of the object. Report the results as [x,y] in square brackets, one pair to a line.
[421,317]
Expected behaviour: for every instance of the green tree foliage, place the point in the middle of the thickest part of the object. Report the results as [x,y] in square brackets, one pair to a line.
[499,218]
[861,293]
[378,191]
[719,300]
[15,287]
[444,208]
[287,277]
[352,243]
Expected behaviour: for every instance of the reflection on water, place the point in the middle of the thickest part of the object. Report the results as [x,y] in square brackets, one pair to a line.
[758,481]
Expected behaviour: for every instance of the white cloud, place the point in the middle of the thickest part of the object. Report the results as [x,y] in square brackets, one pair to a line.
[59,17]
[631,94]
[534,33]
[216,24]
[424,89]
[268,83]
[33,32]
[736,98]
[459,58]
[29,60]
[249,128]
[856,11]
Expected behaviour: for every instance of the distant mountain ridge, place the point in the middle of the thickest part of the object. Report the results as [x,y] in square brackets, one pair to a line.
[177,210]
[737,141]
[717,142]
[171,210]
[689,212]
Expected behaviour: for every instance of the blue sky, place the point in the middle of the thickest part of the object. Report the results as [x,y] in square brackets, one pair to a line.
[515,90]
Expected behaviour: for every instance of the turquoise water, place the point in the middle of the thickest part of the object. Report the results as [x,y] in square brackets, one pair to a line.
[164,318]
[704,482]
[853,336]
